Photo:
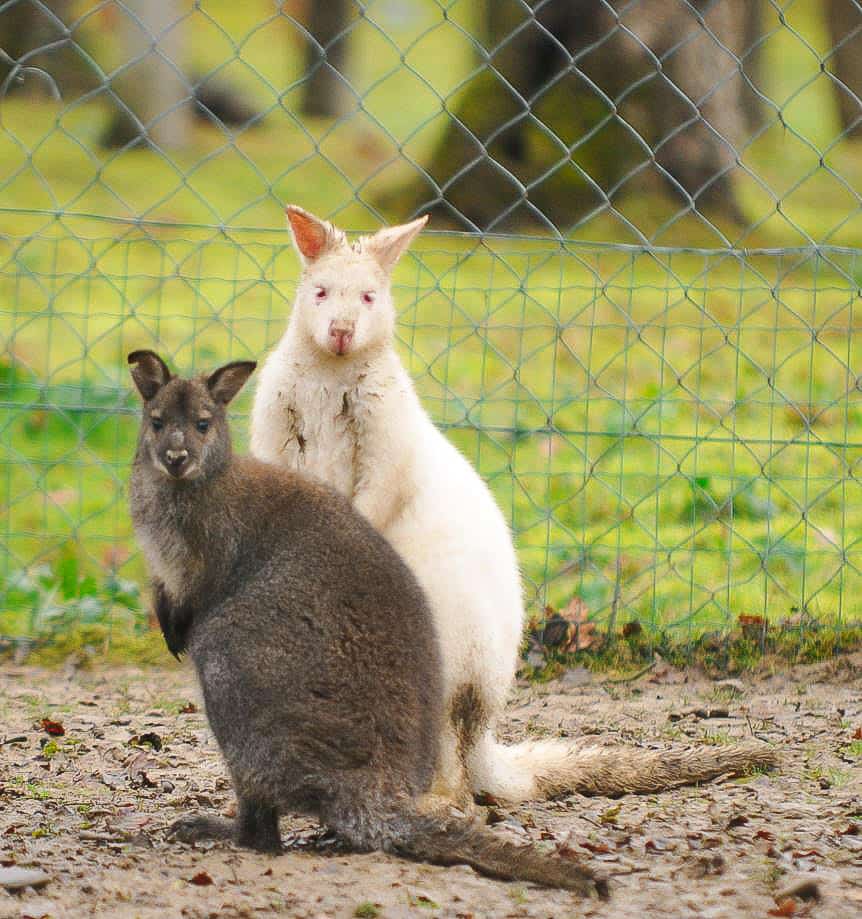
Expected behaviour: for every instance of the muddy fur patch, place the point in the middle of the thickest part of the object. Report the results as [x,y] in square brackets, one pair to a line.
[469,717]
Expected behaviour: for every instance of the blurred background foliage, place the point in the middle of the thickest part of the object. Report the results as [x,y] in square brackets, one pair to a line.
[636,310]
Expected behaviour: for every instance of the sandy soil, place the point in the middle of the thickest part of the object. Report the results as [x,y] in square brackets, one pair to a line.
[90,807]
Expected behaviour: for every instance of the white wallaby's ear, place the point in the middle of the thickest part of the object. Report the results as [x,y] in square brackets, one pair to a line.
[311,235]
[389,244]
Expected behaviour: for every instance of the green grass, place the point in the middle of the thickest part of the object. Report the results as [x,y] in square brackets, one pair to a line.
[654,424]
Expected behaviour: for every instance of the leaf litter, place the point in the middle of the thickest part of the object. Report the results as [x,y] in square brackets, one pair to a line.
[136,754]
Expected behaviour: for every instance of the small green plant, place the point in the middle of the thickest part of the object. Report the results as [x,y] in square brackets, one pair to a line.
[717,738]
[366,910]
[45,604]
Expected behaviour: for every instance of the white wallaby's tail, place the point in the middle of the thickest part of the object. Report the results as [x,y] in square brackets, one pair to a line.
[548,768]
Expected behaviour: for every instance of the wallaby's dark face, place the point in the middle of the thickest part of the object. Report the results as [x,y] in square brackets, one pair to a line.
[184,432]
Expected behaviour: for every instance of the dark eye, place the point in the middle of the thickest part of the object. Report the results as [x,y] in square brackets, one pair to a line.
[368,296]
[203,425]
[158,424]
[320,293]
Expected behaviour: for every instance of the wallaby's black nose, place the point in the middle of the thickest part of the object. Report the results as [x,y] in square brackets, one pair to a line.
[176,457]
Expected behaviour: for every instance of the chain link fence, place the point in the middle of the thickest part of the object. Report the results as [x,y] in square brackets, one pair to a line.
[636,311]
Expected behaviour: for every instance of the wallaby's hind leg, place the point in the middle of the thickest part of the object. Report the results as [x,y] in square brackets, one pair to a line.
[257,827]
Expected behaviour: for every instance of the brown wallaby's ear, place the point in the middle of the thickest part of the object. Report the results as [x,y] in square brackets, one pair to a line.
[149,372]
[311,235]
[389,244]
[227,381]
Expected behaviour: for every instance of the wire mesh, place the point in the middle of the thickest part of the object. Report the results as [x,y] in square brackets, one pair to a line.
[637,315]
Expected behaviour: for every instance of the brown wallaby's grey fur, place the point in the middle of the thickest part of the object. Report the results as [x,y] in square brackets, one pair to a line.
[313,643]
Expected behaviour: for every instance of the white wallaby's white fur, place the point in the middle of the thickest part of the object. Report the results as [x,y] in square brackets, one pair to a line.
[333,400]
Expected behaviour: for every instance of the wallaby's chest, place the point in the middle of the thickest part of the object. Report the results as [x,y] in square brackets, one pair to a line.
[323,431]
[169,556]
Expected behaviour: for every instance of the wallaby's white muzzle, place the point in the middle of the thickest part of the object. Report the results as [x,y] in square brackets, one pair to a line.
[341,335]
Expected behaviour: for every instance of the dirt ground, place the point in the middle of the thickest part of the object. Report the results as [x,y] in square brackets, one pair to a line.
[90,806]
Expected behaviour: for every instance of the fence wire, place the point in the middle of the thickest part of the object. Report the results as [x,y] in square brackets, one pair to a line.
[636,313]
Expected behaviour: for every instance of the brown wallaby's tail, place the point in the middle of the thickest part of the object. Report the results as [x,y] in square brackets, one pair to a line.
[548,768]
[457,841]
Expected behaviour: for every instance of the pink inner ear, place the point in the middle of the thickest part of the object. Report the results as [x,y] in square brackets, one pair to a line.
[310,236]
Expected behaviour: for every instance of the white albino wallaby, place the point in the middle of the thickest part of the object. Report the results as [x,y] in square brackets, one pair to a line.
[333,400]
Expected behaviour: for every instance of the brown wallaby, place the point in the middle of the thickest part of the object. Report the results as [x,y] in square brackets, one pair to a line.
[313,643]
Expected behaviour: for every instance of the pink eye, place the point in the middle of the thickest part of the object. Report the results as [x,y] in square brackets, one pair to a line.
[368,296]
[320,293]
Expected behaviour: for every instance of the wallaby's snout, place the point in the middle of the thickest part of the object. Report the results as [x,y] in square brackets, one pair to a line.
[341,335]
[177,453]
[176,461]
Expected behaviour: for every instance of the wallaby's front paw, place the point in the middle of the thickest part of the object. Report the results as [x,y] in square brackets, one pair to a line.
[198,829]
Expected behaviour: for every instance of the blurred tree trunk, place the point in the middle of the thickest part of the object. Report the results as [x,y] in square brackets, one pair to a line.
[35,36]
[572,110]
[326,93]
[751,57]
[845,27]
[155,97]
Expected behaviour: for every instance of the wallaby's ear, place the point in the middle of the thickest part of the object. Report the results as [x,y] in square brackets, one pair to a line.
[311,235]
[389,244]
[227,381]
[149,372]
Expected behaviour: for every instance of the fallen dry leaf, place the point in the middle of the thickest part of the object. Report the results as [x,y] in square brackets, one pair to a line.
[54,728]
[597,848]
[659,845]
[806,889]
[201,879]
[39,908]
[136,770]
[784,908]
[148,739]
[581,632]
